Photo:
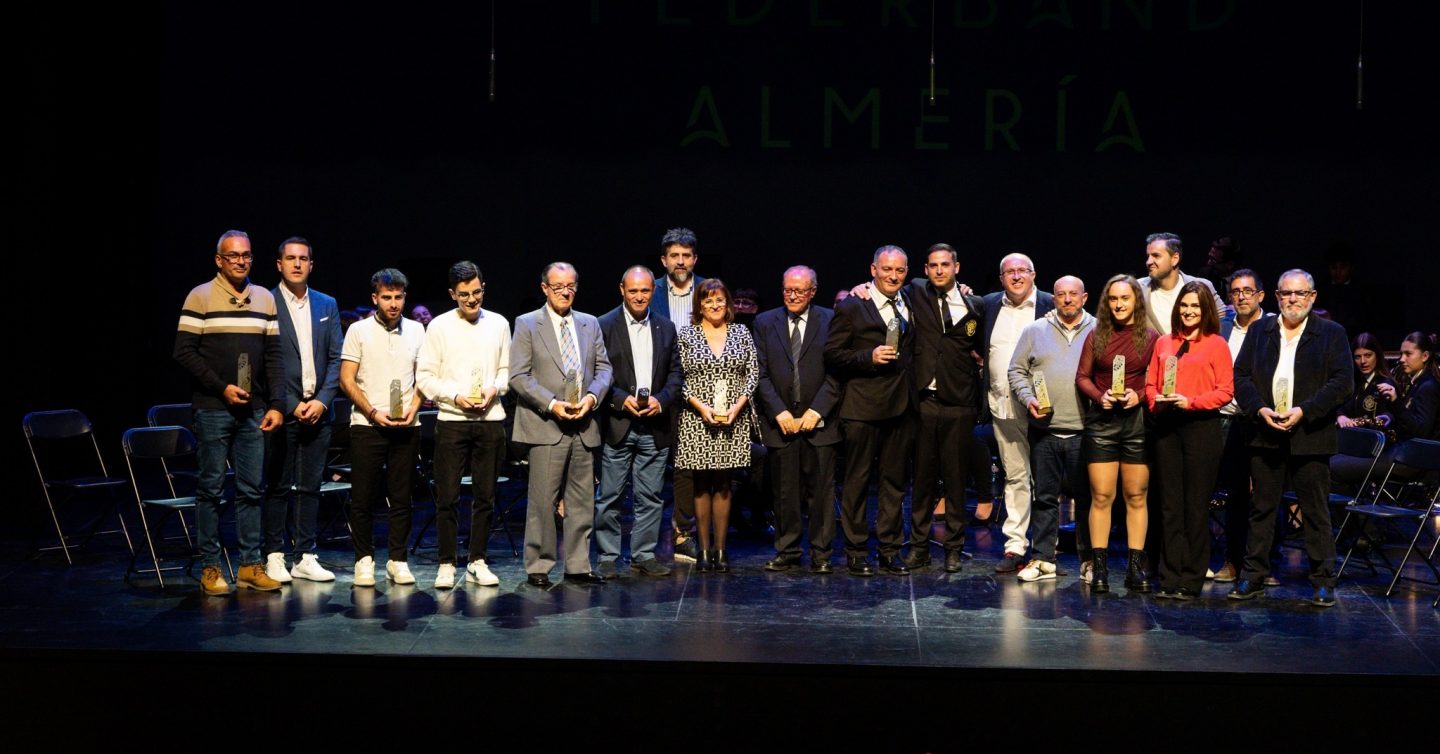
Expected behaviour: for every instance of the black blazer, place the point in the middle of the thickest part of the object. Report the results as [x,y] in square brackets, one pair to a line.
[665,379]
[1416,414]
[944,357]
[1324,379]
[871,393]
[819,389]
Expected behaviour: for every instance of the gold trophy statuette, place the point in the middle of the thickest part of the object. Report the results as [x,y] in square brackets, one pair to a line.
[1117,377]
[477,386]
[892,333]
[1042,393]
[242,372]
[572,387]
[1282,395]
[720,407]
[397,401]
[1171,364]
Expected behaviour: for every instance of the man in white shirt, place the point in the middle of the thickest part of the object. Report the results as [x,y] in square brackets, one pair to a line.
[377,372]
[464,366]
[1163,283]
[1247,294]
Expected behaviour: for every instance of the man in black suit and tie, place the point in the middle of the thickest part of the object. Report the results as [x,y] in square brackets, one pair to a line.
[1291,377]
[636,423]
[878,398]
[796,401]
[947,335]
[310,349]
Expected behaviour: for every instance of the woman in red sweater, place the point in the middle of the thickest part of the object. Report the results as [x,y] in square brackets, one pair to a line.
[1188,442]
[1114,443]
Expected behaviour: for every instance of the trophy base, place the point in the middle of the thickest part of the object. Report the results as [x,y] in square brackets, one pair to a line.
[1045,411]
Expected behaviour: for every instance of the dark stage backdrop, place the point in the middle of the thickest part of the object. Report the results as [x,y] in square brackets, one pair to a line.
[781,132]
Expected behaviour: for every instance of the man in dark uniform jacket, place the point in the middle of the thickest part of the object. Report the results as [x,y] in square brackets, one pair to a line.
[796,400]
[879,395]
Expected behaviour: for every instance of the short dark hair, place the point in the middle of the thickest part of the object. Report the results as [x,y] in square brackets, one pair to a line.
[1245,273]
[388,278]
[954,256]
[1172,241]
[464,271]
[703,291]
[280,250]
[678,237]
[1209,316]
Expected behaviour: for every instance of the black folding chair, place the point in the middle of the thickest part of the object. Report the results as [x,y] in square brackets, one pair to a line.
[1422,456]
[53,435]
[1355,442]
[161,446]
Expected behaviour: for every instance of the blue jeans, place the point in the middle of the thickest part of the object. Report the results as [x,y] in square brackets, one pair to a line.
[638,453]
[232,435]
[296,463]
[1052,461]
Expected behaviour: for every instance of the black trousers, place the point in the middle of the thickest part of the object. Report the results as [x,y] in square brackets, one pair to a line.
[682,517]
[382,462]
[802,477]
[1187,453]
[1309,476]
[942,453]
[479,446]
[887,443]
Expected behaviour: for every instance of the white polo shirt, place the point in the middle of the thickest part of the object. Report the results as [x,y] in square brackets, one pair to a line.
[382,355]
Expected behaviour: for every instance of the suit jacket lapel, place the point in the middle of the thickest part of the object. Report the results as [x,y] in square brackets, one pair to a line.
[282,316]
[315,331]
[547,338]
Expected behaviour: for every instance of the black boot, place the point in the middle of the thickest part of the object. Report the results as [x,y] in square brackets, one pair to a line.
[703,562]
[1135,579]
[1099,570]
[720,561]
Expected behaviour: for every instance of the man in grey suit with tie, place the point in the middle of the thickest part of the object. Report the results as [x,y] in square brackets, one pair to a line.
[310,349]
[558,371]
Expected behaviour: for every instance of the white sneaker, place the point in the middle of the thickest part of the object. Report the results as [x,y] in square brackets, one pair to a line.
[1037,570]
[365,571]
[275,567]
[309,568]
[445,576]
[479,573]
[1087,571]
[399,572]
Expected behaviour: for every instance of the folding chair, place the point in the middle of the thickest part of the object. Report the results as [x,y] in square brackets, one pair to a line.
[1350,441]
[1423,456]
[52,433]
[338,416]
[161,445]
[428,420]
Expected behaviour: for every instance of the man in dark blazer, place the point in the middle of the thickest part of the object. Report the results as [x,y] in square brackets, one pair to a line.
[310,350]
[556,350]
[1292,375]
[947,334]
[637,433]
[796,400]
[678,254]
[1007,312]
[876,408]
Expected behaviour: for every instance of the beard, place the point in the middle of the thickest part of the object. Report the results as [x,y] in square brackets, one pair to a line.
[680,277]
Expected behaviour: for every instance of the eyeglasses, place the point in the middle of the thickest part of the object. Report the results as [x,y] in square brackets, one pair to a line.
[797,292]
[566,288]
[1243,292]
[1294,294]
[234,257]
[467,295]
[1017,271]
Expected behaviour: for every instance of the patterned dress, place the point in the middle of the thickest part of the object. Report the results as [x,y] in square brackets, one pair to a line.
[704,447]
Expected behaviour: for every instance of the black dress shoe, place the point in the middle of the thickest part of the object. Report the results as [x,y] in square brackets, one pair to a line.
[782,562]
[954,560]
[589,577]
[821,566]
[1324,596]
[720,561]
[893,565]
[1185,595]
[917,559]
[860,567]
[1246,589]
[1165,593]
[537,579]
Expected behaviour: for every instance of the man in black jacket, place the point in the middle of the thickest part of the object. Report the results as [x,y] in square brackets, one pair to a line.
[1291,377]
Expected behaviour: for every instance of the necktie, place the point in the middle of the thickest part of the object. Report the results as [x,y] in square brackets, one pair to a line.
[945,313]
[569,354]
[795,341]
[900,320]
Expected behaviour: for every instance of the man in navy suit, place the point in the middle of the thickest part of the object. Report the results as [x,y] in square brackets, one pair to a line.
[637,432]
[1292,375]
[310,346]
[797,401]
[1007,312]
[876,408]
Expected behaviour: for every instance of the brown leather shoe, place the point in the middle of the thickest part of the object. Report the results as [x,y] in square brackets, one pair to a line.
[253,576]
[213,584]
[1226,574]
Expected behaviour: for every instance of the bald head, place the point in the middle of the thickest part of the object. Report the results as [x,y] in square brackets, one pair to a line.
[1070,299]
[637,286]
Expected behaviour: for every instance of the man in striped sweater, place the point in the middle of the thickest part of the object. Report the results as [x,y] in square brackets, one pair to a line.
[229,343]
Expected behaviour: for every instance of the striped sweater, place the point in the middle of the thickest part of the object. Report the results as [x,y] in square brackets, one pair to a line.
[215,328]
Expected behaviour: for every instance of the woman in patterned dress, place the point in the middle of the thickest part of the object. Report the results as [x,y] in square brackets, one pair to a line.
[715,440]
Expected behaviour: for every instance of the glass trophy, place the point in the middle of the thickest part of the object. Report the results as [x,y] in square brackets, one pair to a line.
[242,372]
[1282,395]
[1117,377]
[1168,387]
[397,401]
[477,385]
[892,333]
[1042,393]
[720,408]
[571,388]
